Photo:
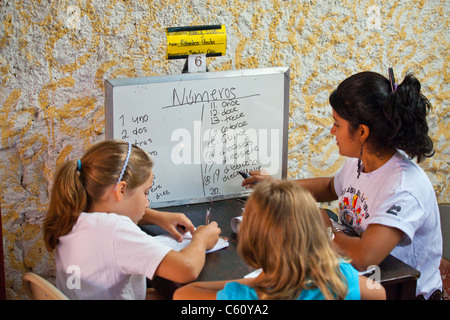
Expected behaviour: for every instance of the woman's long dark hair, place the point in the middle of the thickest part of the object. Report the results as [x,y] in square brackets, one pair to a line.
[396,119]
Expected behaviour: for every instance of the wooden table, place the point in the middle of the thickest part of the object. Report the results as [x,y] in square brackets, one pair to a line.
[398,278]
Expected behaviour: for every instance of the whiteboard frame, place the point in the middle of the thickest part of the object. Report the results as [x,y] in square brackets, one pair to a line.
[110,84]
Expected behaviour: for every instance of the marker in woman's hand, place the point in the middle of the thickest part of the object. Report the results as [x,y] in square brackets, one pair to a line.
[245,175]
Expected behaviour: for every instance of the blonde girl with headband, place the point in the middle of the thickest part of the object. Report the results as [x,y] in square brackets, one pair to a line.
[91,224]
[283,233]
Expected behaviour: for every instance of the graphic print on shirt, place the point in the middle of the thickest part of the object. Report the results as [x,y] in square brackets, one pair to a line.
[352,208]
[394,210]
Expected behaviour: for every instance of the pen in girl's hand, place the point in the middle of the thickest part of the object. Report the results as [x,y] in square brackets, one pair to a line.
[207,216]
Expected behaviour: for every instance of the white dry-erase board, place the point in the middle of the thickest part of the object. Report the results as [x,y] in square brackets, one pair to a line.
[202,128]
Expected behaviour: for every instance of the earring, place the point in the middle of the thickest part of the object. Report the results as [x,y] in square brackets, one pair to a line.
[360,162]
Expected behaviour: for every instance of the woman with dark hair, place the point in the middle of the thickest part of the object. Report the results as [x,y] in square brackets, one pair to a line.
[384,196]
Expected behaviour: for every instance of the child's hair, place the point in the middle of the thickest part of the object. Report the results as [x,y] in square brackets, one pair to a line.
[396,117]
[80,183]
[283,233]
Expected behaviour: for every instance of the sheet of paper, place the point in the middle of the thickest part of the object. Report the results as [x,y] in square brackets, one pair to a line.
[368,272]
[172,243]
[254,273]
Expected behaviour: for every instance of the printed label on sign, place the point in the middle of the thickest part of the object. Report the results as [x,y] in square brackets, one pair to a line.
[186,41]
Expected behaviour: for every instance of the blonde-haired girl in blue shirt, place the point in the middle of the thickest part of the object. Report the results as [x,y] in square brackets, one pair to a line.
[283,233]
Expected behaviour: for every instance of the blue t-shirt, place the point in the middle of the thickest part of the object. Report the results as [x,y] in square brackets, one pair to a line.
[237,291]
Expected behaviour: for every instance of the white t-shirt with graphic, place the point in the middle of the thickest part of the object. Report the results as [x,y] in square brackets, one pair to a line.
[106,256]
[400,195]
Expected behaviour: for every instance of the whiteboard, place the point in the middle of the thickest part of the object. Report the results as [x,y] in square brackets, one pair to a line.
[202,128]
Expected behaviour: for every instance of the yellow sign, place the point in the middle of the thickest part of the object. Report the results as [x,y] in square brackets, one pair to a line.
[185,41]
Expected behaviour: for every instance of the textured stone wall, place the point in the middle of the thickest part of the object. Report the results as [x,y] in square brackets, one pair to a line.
[54,56]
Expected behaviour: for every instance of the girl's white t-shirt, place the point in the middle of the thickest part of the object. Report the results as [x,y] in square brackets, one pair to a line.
[106,256]
[399,195]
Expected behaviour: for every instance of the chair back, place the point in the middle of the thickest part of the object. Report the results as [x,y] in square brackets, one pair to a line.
[37,288]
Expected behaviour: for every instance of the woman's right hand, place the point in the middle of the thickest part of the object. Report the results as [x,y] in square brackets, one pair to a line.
[185,265]
[255,177]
